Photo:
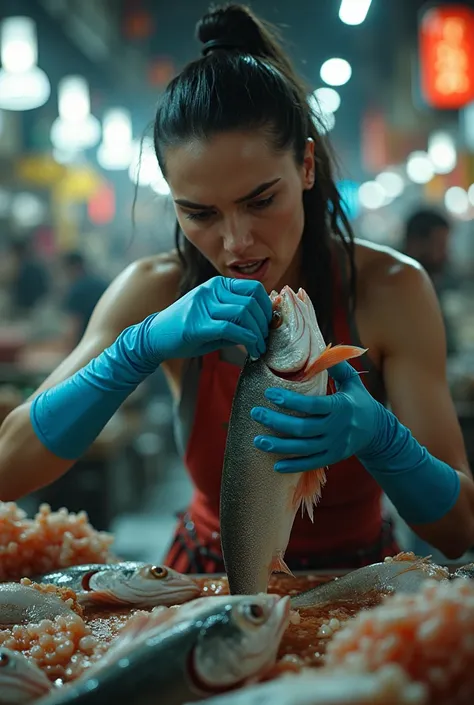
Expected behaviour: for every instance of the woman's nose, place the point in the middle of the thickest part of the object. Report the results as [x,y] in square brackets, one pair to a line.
[237,236]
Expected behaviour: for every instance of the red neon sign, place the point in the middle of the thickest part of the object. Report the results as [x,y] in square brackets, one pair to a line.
[446,43]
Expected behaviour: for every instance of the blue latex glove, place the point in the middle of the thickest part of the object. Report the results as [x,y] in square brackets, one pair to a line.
[351,422]
[217,314]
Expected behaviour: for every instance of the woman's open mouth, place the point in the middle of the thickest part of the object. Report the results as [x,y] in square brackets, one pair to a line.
[252,269]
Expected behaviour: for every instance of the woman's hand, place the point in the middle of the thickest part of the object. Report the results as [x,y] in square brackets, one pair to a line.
[335,427]
[217,314]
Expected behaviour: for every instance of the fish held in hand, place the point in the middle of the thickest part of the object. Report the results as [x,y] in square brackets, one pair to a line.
[258,505]
[178,655]
[20,604]
[21,681]
[128,583]
[391,576]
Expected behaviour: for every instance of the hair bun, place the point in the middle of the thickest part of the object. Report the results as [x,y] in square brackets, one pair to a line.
[231,27]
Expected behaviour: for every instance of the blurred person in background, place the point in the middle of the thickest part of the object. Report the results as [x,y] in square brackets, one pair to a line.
[426,239]
[84,287]
[29,278]
[257,208]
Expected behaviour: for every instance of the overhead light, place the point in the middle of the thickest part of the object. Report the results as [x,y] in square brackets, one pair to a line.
[392,183]
[75,129]
[27,210]
[354,12]
[325,120]
[336,72]
[372,195]
[23,85]
[442,152]
[456,200]
[329,99]
[419,167]
[145,170]
[470,194]
[116,150]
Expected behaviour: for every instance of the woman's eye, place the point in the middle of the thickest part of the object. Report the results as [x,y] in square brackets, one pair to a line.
[263,202]
[203,215]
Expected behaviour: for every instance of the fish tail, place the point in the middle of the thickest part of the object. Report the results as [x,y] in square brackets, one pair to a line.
[332,355]
[279,565]
[308,490]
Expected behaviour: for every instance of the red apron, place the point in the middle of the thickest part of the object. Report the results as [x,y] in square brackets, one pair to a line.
[348,530]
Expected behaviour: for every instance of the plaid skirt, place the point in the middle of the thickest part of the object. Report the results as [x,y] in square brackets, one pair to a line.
[187,554]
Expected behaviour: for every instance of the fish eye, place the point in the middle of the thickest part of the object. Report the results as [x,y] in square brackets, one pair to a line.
[158,571]
[4,659]
[276,319]
[254,612]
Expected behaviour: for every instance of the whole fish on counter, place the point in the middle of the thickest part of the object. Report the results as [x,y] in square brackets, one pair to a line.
[254,530]
[21,681]
[390,576]
[177,655]
[21,603]
[389,686]
[128,583]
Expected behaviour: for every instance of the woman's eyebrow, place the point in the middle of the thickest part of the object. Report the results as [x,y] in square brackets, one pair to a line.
[256,192]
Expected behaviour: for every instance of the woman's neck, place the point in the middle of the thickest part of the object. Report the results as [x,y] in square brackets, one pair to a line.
[293,276]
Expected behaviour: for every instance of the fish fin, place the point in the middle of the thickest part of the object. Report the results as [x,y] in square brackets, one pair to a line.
[332,355]
[308,490]
[279,565]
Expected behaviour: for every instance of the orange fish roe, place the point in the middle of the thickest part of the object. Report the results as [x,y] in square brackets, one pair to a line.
[63,648]
[429,634]
[49,541]
[65,594]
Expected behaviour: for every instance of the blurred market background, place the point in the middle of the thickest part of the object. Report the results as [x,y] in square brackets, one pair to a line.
[79,80]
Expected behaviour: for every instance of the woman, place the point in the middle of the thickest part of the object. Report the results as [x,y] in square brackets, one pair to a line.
[256,202]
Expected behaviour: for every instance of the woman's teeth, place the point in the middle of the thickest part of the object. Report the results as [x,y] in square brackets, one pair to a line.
[249,268]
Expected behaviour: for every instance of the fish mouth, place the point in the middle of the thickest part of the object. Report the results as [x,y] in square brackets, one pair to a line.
[297,351]
[295,306]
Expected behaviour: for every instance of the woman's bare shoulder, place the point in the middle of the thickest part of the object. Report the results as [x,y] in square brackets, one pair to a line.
[144,287]
[396,294]
[387,272]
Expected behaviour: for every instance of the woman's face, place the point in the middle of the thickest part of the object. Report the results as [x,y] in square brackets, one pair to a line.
[240,203]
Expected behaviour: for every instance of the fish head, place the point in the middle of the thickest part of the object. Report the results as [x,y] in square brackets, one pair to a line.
[295,341]
[238,640]
[296,349]
[20,680]
[146,585]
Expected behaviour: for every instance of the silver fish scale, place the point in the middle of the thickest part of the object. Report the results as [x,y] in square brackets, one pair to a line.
[72,577]
[253,495]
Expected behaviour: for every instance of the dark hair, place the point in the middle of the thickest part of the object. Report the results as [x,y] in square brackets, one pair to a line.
[245,81]
[420,225]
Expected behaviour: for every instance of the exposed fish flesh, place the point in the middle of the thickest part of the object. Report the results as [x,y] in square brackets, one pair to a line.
[20,603]
[390,686]
[129,583]
[21,681]
[258,505]
[430,634]
[390,576]
[178,655]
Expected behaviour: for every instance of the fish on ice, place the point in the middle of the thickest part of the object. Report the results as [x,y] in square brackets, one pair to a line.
[127,583]
[254,530]
[183,654]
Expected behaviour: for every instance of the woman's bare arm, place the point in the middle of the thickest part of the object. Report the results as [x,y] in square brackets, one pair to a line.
[414,366]
[143,288]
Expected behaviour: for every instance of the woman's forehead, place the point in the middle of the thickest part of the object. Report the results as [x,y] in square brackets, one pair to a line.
[228,164]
